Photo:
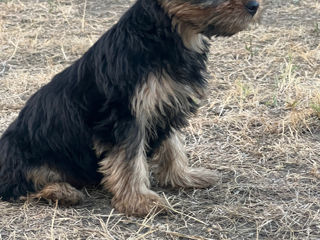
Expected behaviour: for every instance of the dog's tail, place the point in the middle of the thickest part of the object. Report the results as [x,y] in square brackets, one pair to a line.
[13,182]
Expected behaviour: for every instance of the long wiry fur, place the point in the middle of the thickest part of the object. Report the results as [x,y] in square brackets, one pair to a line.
[123,102]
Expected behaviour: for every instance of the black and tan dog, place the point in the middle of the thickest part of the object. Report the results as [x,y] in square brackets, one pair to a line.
[120,107]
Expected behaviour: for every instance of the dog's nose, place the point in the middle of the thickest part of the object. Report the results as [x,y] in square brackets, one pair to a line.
[252,7]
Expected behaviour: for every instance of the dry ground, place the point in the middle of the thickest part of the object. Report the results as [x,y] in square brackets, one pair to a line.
[260,127]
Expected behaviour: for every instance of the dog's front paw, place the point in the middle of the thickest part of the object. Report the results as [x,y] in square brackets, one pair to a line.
[190,178]
[200,178]
[139,205]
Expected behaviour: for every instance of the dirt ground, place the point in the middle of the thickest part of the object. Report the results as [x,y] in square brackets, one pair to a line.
[259,127]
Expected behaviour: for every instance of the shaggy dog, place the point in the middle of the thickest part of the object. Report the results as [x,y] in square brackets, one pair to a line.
[121,106]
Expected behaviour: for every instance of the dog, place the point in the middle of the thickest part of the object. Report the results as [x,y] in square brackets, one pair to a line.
[120,108]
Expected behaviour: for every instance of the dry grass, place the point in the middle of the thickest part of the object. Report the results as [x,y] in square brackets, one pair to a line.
[259,127]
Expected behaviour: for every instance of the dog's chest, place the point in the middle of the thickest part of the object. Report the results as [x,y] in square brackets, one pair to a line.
[161,101]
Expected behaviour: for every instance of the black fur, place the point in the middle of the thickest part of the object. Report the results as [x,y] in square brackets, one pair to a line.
[90,100]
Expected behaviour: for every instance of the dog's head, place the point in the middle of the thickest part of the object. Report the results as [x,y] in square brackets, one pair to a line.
[213,17]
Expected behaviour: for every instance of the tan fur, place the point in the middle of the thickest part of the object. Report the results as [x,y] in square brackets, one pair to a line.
[193,41]
[160,91]
[100,148]
[171,167]
[62,192]
[190,37]
[129,183]
[188,13]
[41,176]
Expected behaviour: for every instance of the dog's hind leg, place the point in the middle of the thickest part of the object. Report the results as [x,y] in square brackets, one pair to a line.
[171,166]
[62,192]
[50,186]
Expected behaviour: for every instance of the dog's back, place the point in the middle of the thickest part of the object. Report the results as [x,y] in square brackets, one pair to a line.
[50,132]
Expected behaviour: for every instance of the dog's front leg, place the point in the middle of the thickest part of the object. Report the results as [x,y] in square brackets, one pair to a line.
[171,166]
[126,176]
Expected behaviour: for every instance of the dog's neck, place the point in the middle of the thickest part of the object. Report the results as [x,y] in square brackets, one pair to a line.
[191,38]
